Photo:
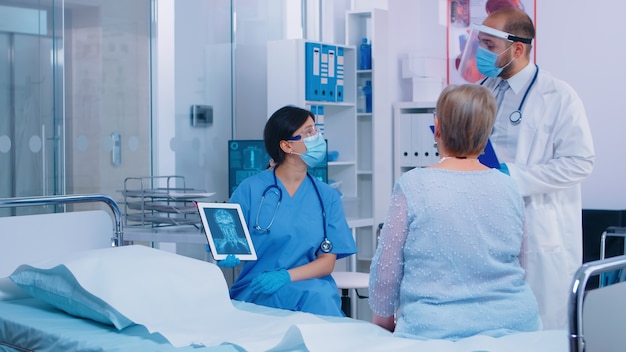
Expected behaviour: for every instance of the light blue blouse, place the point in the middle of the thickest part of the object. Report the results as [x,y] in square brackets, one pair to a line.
[447,262]
[293,240]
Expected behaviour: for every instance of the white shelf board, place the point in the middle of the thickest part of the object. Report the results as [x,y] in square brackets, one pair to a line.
[342,163]
[360,222]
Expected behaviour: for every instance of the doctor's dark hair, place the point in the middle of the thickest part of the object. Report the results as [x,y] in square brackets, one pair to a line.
[283,123]
[517,22]
[466,114]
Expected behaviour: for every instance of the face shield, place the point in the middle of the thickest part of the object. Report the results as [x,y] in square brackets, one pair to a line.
[467,66]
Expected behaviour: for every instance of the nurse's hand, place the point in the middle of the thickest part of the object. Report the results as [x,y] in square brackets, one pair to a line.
[269,282]
[230,262]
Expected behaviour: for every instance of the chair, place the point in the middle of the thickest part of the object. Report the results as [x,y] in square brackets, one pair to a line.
[347,280]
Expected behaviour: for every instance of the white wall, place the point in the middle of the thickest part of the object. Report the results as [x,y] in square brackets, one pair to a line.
[193,67]
[415,29]
[580,45]
[202,77]
[164,160]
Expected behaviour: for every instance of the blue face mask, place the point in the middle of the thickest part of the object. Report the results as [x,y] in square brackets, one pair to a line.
[315,150]
[486,62]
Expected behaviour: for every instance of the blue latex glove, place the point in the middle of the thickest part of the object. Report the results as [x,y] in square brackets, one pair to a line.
[230,262]
[269,282]
[504,169]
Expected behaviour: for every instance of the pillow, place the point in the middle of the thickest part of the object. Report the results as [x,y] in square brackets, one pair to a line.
[9,290]
[59,288]
[165,292]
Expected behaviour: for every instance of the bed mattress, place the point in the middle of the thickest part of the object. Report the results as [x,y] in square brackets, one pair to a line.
[28,324]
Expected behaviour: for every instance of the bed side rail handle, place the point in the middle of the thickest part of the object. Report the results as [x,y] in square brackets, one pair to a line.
[118,239]
[577,295]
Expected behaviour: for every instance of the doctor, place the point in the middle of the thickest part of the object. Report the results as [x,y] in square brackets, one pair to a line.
[542,137]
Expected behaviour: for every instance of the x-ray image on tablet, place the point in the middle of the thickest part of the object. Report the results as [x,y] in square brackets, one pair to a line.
[226,230]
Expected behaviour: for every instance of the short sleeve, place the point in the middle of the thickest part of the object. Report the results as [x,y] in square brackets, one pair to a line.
[338,231]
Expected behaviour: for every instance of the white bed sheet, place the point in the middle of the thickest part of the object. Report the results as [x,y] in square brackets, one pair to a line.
[352,337]
[31,324]
[146,284]
[183,299]
[28,324]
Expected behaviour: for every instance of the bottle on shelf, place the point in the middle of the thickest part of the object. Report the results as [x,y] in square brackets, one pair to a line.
[365,53]
[361,101]
[367,92]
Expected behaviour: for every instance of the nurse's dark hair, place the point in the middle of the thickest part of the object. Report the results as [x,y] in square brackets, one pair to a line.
[466,115]
[282,125]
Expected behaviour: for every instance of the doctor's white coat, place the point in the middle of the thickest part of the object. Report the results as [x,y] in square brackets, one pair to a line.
[553,155]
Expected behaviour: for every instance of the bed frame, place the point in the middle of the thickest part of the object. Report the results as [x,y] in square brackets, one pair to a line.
[596,317]
[49,233]
[67,199]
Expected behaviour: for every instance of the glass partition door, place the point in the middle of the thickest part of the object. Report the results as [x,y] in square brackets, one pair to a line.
[75,112]
[31,117]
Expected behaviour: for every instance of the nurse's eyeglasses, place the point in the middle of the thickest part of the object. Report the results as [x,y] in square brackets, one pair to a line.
[308,132]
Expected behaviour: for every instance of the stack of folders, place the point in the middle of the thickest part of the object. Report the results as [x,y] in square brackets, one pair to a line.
[324,74]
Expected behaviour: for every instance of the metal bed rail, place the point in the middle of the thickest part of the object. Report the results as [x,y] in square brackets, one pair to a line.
[577,296]
[67,199]
[611,231]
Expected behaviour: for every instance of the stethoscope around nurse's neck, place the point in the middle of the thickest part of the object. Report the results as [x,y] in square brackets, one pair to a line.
[326,246]
[516,116]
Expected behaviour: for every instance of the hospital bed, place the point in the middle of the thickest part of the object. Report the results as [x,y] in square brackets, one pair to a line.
[597,316]
[144,299]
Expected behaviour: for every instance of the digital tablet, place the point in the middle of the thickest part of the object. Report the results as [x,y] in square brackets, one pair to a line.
[226,230]
[488,157]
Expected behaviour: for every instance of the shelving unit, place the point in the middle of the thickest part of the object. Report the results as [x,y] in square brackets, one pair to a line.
[374,129]
[363,140]
[413,140]
[171,205]
[374,136]
[287,86]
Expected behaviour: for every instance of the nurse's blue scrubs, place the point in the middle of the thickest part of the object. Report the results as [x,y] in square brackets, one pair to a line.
[293,240]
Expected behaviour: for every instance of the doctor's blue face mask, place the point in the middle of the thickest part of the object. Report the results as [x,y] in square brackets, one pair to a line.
[315,150]
[486,62]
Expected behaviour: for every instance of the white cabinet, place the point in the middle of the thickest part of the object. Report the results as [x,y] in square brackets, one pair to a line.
[288,84]
[374,135]
[363,140]
[414,142]
[374,129]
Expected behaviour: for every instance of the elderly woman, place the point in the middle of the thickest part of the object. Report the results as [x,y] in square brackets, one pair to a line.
[447,263]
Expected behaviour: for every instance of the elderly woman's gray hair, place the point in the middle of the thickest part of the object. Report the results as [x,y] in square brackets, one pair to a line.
[466,115]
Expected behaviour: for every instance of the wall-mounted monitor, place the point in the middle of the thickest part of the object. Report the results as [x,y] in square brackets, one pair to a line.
[248,157]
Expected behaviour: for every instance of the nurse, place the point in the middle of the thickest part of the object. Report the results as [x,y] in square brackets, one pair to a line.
[296,222]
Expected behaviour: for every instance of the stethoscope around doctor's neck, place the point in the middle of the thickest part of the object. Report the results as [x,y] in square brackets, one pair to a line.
[516,116]
[326,246]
